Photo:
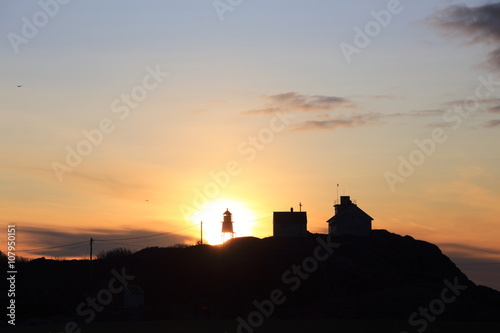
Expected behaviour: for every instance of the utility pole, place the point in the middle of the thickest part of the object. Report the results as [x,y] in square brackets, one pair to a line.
[90,265]
[201,238]
[91,241]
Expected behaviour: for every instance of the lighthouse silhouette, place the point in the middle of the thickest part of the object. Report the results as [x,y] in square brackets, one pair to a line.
[227,226]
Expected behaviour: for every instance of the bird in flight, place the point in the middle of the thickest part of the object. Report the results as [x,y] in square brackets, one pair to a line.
[19,85]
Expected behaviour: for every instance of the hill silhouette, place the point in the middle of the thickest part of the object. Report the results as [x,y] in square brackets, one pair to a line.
[383,276]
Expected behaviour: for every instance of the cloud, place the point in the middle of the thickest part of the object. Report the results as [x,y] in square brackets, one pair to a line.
[292,101]
[117,185]
[470,102]
[352,121]
[49,242]
[492,123]
[359,120]
[494,109]
[480,263]
[481,24]
[471,250]
[418,113]
[385,97]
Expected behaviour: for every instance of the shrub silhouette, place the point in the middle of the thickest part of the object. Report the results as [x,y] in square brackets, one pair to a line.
[4,259]
[118,252]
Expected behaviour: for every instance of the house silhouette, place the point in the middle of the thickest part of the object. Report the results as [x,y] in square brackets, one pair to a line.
[290,224]
[349,219]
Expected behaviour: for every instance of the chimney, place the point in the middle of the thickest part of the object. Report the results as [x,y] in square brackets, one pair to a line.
[345,200]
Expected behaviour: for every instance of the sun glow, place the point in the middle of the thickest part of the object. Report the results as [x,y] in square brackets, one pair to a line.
[211,216]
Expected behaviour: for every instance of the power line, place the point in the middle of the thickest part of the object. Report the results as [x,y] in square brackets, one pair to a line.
[53,247]
[111,240]
[83,246]
[136,244]
[163,233]
[105,240]
[118,243]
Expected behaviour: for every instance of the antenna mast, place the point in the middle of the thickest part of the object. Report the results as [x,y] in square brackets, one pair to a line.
[338,200]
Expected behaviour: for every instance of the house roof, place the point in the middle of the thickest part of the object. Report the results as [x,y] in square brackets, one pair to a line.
[289,217]
[350,209]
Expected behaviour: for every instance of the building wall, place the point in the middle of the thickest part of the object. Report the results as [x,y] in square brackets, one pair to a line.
[349,219]
[289,224]
[351,225]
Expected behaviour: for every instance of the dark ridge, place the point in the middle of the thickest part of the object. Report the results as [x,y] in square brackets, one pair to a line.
[382,276]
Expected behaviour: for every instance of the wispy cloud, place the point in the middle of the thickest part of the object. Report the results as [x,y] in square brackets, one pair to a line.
[385,97]
[494,109]
[481,24]
[474,251]
[485,102]
[320,117]
[492,123]
[118,186]
[360,120]
[293,101]
[50,242]
[352,121]
[418,113]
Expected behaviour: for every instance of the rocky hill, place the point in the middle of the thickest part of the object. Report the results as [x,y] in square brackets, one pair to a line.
[383,276]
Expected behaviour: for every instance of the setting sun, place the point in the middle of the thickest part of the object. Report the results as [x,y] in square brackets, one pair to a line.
[212,214]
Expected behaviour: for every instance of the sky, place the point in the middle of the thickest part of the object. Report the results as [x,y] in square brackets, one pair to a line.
[135,121]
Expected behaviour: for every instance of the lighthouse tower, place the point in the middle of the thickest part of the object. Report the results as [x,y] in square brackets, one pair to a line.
[227,226]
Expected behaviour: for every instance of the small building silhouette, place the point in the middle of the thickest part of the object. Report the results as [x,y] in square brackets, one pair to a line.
[227,226]
[349,219]
[289,224]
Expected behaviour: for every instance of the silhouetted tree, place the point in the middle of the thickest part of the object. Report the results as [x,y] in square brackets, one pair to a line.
[180,246]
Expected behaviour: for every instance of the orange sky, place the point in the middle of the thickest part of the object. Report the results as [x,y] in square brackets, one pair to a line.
[144,121]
